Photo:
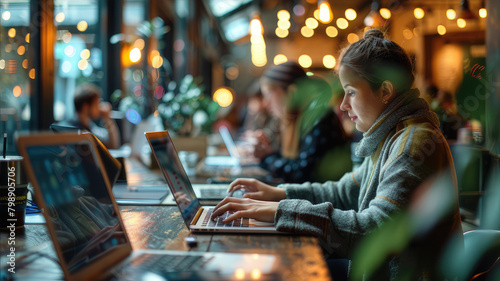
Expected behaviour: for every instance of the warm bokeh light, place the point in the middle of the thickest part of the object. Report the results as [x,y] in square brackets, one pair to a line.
[256,27]
[82,26]
[16,91]
[157,61]
[32,73]
[256,274]
[350,14]
[284,24]
[329,61]
[239,274]
[60,17]
[352,37]
[256,39]
[25,64]
[12,33]
[332,31]
[139,44]
[280,58]
[66,37]
[441,29]
[325,13]
[135,55]
[311,23]
[342,23]
[385,13]
[2,64]
[21,50]
[223,96]
[6,15]
[419,13]
[305,61]
[316,14]
[85,54]
[283,15]
[27,38]
[306,32]
[69,51]
[281,33]
[483,13]
[83,64]
[461,23]
[407,34]
[451,14]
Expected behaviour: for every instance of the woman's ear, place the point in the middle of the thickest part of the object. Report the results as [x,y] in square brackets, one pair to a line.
[388,93]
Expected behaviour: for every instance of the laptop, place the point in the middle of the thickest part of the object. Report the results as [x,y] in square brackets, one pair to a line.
[234,158]
[196,217]
[86,227]
[143,193]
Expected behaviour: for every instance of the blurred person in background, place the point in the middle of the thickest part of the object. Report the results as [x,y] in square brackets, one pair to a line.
[313,144]
[401,148]
[93,115]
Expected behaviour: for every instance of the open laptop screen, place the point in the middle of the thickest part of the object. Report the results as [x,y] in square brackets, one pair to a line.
[170,164]
[78,202]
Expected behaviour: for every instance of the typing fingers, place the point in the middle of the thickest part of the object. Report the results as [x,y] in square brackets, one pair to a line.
[237,215]
[232,206]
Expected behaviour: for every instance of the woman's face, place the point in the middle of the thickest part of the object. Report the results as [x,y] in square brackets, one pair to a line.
[274,99]
[362,104]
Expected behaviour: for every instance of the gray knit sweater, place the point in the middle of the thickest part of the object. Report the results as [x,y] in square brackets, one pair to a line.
[401,150]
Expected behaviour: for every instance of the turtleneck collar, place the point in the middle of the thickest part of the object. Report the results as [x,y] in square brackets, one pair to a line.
[406,106]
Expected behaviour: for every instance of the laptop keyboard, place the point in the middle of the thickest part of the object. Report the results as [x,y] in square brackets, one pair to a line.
[170,263]
[217,222]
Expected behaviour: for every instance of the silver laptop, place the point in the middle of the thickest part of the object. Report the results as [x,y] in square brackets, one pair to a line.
[196,217]
[87,230]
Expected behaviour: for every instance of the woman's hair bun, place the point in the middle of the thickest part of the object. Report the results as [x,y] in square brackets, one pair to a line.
[374,33]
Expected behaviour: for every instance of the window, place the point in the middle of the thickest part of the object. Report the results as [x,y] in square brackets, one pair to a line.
[15,69]
[77,54]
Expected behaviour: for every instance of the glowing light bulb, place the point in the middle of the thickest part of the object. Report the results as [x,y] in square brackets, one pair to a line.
[279,59]
[331,31]
[135,55]
[441,29]
[419,13]
[461,23]
[483,13]
[385,13]
[451,14]
[305,61]
[283,15]
[329,61]
[325,13]
[350,14]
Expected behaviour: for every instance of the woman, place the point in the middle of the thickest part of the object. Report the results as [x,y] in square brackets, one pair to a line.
[401,146]
[311,133]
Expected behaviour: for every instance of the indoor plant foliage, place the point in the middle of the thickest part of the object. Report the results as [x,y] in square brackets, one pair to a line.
[185,109]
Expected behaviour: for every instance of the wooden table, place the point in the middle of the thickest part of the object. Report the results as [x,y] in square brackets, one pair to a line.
[162,227]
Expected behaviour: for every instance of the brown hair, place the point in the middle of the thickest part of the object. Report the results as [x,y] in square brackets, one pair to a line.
[283,75]
[376,59]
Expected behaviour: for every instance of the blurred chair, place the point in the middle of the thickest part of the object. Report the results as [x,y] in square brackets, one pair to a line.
[483,248]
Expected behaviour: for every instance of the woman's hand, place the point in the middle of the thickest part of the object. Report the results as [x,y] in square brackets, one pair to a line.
[255,189]
[246,208]
[263,146]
